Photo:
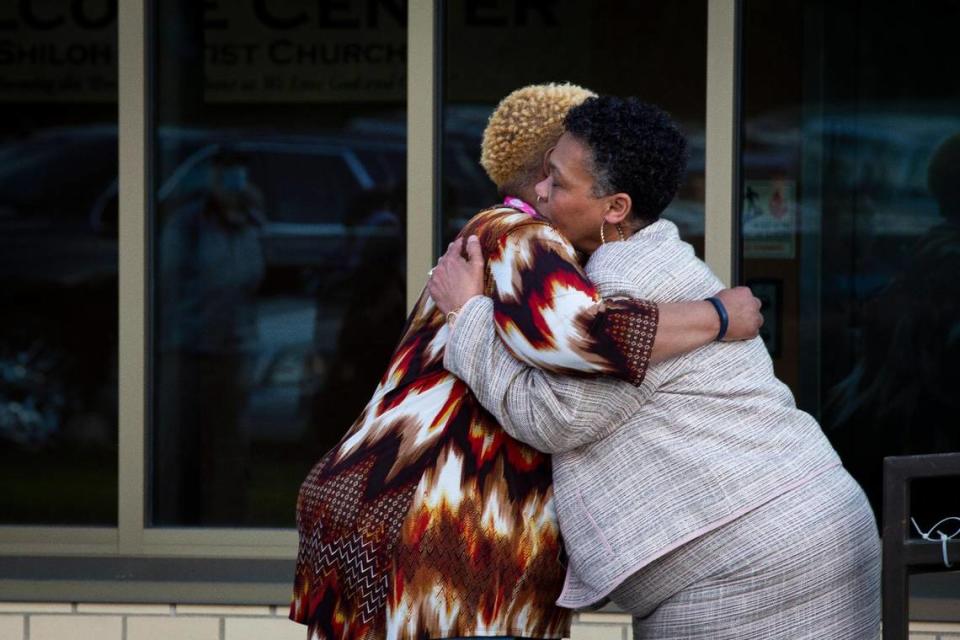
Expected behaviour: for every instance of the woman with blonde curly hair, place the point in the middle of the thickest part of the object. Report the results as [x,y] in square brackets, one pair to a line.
[427,520]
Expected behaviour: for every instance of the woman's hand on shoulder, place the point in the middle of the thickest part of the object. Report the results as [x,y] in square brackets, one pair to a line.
[455,280]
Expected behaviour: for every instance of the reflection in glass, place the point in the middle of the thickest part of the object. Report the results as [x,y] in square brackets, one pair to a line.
[850,223]
[656,51]
[211,265]
[58,263]
[279,245]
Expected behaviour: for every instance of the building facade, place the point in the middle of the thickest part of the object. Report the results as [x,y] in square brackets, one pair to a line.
[214,217]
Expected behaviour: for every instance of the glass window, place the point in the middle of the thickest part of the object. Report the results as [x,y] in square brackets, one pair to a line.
[851,223]
[279,244]
[656,51]
[58,263]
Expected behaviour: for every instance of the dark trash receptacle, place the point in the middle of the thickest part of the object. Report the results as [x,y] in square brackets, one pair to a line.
[903,554]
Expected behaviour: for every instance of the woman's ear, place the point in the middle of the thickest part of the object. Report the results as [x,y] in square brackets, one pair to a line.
[618,208]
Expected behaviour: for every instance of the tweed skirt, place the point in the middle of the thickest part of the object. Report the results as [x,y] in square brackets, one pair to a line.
[804,565]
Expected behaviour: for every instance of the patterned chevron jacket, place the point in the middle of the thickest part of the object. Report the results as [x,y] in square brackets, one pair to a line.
[427,520]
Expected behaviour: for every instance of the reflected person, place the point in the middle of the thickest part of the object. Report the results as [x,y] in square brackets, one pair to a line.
[373,291]
[900,398]
[211,265]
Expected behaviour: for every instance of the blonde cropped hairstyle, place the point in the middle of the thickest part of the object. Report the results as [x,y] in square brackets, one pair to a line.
[523,126]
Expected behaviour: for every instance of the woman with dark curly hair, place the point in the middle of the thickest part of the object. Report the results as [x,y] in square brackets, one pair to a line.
[702,501]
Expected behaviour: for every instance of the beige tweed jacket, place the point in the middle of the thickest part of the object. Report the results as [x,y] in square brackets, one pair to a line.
[638,471]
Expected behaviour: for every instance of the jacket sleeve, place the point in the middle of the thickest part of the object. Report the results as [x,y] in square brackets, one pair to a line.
[538,353]
[550,316]
[551,412]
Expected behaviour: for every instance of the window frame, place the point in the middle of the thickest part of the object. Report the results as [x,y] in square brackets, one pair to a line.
[136,563]
[133,562]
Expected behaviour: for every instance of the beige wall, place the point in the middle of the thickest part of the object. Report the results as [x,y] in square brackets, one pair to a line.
[80,621]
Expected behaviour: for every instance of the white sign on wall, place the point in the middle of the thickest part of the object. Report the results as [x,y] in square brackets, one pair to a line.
[769,219]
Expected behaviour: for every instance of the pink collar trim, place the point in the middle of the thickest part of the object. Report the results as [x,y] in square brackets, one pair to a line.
[517,203]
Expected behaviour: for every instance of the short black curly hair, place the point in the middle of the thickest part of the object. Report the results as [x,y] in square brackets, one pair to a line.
[636,148]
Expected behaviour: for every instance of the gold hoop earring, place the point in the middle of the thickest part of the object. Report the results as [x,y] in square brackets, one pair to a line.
[620,231]
[602,239]
[539,199]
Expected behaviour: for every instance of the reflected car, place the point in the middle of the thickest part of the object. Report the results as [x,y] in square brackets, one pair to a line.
[317,212]
[56,363]
[58,254]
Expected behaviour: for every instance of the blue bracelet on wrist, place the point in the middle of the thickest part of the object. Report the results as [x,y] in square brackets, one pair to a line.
[724,318]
